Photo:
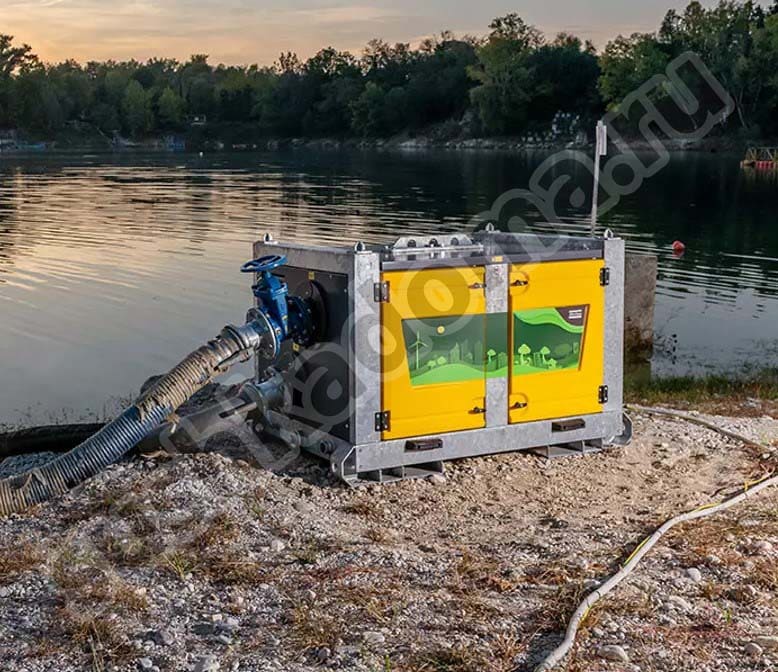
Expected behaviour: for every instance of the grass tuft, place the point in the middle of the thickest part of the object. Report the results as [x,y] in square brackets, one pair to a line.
[714,392]
[15,561]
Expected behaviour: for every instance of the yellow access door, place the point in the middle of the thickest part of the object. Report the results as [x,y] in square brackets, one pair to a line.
[433,351]
[557,312]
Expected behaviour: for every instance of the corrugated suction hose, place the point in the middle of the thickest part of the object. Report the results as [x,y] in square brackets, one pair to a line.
[116,439]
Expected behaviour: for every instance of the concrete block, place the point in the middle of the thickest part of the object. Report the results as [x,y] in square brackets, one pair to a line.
[639,300]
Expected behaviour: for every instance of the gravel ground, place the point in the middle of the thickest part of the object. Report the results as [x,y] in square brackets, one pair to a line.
[206,562]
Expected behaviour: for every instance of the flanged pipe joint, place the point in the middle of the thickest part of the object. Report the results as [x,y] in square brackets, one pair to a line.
[278,316]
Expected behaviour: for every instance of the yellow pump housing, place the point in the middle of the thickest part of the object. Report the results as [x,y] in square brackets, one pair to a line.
[440,346]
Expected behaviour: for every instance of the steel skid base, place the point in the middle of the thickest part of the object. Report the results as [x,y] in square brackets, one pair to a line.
[396,460]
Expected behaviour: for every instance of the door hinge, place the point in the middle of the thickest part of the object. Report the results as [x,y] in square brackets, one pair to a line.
[602,394]
[381,292]
[605,276]
[382,421]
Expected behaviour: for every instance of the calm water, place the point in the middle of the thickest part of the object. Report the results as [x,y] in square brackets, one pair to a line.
[112,268]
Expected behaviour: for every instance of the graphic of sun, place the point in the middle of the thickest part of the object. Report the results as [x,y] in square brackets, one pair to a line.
[441,329]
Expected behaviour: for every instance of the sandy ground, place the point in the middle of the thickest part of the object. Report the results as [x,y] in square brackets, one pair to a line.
[206,562]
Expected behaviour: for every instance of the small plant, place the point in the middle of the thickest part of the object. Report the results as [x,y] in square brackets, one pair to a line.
[366,508]
[98,636]
[221,529]
[14,561]
[180,564]
[310,628]
[474,571]
[377,534]
[256,507]
[308,554]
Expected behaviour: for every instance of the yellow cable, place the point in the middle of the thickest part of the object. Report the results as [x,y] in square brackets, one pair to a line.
[634,553]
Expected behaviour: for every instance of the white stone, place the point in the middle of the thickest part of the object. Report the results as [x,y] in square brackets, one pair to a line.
[677,602]
[207,664]
[371,637]
[613,652]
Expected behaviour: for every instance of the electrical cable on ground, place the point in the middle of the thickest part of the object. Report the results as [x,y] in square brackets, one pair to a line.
[750,489]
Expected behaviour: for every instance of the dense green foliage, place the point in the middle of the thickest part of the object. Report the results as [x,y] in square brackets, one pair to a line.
[511,81]
[737,41]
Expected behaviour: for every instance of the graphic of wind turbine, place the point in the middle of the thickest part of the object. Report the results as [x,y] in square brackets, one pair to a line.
[418,344]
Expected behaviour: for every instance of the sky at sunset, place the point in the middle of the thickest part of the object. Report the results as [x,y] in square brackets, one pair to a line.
[256,31]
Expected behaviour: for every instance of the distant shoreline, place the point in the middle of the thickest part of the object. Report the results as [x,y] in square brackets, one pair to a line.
[185,143]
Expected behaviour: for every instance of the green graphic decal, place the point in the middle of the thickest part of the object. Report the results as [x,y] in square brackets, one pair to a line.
[456,349]
[548,339]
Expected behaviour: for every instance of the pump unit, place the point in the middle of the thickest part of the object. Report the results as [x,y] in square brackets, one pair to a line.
[433,349]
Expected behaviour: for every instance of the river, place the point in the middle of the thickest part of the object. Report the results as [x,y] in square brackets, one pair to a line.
[113,267]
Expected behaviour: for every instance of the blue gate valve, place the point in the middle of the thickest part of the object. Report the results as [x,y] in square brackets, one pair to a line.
[271,291]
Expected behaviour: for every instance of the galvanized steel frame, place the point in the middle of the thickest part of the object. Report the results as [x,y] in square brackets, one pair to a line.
[366,458]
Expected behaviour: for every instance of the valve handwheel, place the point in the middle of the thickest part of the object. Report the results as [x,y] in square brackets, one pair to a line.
[263,264]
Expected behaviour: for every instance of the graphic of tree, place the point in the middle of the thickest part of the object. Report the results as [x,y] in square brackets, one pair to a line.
[441,361]
[431,364]
[524,350]
[418,344]
[551,363]
[490,354]
[545,352]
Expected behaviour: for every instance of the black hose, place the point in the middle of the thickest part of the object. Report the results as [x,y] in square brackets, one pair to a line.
[46,439]
[119,437]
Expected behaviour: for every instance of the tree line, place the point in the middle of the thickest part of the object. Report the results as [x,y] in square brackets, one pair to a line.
[512,81]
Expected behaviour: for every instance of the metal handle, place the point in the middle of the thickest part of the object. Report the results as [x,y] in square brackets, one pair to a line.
[478,411]
[478,285]
[263,264]
[520,283]
[518,405]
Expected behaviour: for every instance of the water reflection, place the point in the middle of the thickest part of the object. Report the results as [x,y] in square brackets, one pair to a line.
[111,267]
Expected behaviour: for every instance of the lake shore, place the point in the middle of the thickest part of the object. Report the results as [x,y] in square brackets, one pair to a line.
[245,139]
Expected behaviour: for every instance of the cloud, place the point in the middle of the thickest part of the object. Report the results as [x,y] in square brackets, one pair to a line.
[234,31]
[344,14]
[246,31]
